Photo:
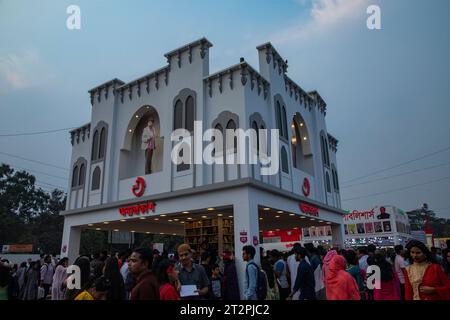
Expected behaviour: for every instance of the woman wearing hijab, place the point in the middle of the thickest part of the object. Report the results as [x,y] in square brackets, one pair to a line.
[339,284]
[326,263]
[424,278]
[59,278]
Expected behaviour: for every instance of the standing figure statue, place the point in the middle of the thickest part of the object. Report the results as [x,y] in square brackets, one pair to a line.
[148,144]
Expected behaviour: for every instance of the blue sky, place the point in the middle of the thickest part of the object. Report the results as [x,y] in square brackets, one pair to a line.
[387,90]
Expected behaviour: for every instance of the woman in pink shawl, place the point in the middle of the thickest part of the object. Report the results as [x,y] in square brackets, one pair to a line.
[59,278]
[339,284]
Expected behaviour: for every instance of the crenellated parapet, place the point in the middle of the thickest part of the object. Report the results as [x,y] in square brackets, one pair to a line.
[333,142]
[297,93]
[80,134]
[321,104]
[242,74]
[273,57]
[104,91]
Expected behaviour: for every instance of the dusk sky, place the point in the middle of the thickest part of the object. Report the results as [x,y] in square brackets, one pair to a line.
[387,90]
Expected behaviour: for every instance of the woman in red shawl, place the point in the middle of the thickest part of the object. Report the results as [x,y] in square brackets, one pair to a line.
[339,284]
[424,278]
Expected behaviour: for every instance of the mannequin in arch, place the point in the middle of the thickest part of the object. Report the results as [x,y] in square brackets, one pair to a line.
[149,144]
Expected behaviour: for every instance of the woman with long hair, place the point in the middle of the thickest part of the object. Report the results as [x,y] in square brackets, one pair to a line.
[59,279]
[389,284]
[87,278]
[339,284]
[353,268]
[169,285]
[424,278]
[112,274]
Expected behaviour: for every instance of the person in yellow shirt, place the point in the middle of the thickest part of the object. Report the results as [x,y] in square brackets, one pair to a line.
[97,291]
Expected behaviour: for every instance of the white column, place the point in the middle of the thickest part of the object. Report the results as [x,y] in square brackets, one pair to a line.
[246,219]
[71,241]
[337,235]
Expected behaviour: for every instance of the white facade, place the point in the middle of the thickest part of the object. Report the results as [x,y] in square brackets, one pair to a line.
[107,158]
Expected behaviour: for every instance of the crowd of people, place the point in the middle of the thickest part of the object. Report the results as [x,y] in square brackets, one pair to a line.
[305,273]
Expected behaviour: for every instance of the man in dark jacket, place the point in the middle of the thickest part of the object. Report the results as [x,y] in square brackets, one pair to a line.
[231,284]
[305,277]
[146,285]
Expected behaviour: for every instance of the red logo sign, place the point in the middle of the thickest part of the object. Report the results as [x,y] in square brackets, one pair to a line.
[139,187]
[306,188]
[137,209]
[255,241]
[309,209]
[243,236]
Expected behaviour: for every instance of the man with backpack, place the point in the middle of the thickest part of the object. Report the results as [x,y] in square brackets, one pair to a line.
[255,284]
[47,271]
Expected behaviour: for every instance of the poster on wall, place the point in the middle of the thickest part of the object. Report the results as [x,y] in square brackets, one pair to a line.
[352,229]
[312,232]
[387,226]
[369,227]
[360,228]
[306,232]
[328,230]
[345,229]
[378,227]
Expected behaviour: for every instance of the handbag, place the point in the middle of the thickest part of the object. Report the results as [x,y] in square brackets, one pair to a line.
[40,293]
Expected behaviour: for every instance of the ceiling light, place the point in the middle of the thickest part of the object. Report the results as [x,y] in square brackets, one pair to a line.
[312,219]
[156,219]
[116,230]
[260,218]
[277,216]
[301,124]
[98,229]
[176,220]
[163,215]
[130,130]
[132,231]
[182,221]
[292,214]
[328,222]
[230,216]
[123,220]
[106,222]
[220,215]
[189,218]
[137,116]
[90,225]
[185,212]
[280,211]
[320,220]
[170,220]
[161,233]
[142,218]
[302,217]
[266,209]
[304,138]
[204,217]
[148,232]
[210,209]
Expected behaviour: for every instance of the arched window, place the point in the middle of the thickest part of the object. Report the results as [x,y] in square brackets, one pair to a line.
[231,125]
[94,153]
[335,180]
[178,117]
[284,121]
[255,127]
[189,117]
[278,115]
[218,147]
[96,175]
[327,182]
[82,175]
[75,177]
[324,146]
[102,146]
[284,160]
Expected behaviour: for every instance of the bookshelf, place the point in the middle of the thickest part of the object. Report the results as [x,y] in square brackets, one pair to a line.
[219,232]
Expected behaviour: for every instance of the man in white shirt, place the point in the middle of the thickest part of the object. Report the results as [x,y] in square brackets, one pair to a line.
[292,266]
[399,265]
[361,252]
[281,274]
